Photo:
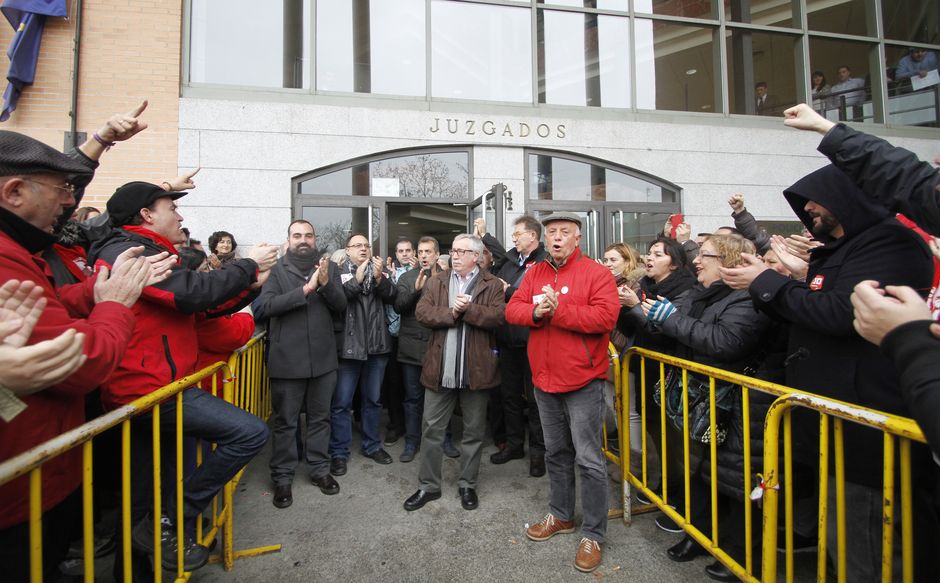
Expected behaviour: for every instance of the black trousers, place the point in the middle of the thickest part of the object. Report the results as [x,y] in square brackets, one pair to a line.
[60,525]
[517,395]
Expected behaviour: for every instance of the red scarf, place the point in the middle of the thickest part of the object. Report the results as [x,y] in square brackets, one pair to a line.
[153,236]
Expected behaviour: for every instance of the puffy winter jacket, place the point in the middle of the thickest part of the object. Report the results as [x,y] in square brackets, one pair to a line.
[569,349]
[164,346]
[365,331]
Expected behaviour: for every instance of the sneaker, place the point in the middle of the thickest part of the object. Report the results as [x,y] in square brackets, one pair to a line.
[589,555]
[408,454]
[194,555]
[668,524]
[391,437]
[642,498]
[449,449]
[379,456]
[549,527]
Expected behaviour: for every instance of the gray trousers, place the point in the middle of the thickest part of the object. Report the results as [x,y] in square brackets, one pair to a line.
[438,409]
[571,423]
[288,397]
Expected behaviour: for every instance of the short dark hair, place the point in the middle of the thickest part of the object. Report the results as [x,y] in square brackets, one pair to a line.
[531,224]
[304,221]
[351,235]
[216,238]
[674,250]
[760,84]
[404,240]
[731,230]
[432,240]
[133,220]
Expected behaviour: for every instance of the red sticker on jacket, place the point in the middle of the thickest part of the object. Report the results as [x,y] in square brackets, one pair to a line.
[817,283]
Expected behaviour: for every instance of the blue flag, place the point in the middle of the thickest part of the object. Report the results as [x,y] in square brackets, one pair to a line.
[27,17]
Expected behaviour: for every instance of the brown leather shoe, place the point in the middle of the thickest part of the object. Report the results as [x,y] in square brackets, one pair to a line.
[549,527]
[589,555]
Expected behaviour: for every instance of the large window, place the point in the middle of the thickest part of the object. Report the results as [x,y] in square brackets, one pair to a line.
[701,56]
[479,51]
[567,178]
[422,175]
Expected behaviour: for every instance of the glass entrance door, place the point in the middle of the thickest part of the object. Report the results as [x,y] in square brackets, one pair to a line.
[605,224]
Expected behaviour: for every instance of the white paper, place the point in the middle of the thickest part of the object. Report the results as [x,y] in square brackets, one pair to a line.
[385,187]
[10,405]
[932,78]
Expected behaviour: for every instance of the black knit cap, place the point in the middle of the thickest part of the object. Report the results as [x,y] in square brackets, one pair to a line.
[20,155]
[127,200]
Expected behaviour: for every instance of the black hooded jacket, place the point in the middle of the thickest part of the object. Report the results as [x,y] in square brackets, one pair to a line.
[825,354]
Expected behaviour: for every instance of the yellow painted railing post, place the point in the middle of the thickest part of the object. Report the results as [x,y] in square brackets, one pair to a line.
[88,532]
[35,525]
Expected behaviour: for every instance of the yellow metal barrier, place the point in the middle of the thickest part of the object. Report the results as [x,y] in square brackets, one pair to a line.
[779,413]
[245,383]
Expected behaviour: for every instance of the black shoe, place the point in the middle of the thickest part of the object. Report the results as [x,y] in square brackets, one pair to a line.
[668,524]
[194,556]
[686,550]
[391,437]
[419,499]
[337,466]
[282,496]
[719,572]
[326,484]
[380,456]
[468,498]
[507,454]
[536,465]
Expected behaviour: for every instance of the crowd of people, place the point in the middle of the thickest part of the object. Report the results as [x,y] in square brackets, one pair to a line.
[98,309]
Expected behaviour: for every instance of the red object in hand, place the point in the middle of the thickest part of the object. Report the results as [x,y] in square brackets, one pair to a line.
[675,220]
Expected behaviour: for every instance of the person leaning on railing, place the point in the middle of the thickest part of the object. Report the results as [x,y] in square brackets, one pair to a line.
[717,326]
[163,349]
[39,188]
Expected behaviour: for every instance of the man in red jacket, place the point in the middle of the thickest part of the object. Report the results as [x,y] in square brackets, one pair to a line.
[164,348]
[570,302]
[40,186]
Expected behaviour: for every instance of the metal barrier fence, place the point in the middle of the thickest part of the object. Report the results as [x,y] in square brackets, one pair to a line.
[243,381]
[768,486]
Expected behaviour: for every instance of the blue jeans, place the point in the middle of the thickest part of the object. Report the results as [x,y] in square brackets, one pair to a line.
[571,423]
[413,403]
[239,435]
[367,375]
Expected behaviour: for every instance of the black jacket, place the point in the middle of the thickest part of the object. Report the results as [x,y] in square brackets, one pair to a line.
[365,331]
[825,354]
[300,328]
[915,353]
[412,336]
[893,177]
[511,272]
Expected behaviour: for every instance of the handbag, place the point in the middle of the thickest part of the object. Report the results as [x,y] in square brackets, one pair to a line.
[699,422]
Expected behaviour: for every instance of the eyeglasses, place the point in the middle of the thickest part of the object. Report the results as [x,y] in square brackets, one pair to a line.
[69,187]
[461,252]
[709,255]
[358,246]
[519,234]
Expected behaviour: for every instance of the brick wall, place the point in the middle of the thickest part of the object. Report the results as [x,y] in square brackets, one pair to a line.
[130,51]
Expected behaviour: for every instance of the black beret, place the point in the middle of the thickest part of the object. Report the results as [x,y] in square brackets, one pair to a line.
[21,154]
[127,200]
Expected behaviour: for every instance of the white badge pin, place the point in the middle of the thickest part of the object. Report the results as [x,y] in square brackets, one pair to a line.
[564,290]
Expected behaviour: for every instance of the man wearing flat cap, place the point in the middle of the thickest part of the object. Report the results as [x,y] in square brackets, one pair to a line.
[164,348]
[570,304]
[39,189]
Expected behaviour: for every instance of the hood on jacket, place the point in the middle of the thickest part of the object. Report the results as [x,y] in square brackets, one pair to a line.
[831,188]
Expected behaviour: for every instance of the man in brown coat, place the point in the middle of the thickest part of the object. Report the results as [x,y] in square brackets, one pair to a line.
[462,307]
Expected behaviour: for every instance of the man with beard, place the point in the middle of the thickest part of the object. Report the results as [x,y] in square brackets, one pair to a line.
[300,298]
[861,241]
